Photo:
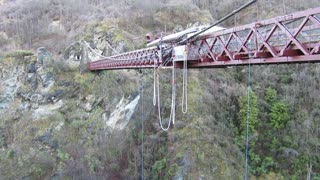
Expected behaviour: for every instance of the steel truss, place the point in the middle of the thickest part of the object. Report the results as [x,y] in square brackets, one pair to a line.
[293,38]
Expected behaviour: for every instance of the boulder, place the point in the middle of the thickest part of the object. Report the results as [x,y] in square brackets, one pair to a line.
[89,104]
[122,114]
[290,153]
[46,139]
[44,57]
[55,96]
[56,27]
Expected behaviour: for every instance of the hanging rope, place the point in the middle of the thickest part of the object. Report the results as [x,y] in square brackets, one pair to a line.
[154,83]
[173,101]
[185,87]
[155,74]
[173,104]
[248,120]
[142,130]
[156,92]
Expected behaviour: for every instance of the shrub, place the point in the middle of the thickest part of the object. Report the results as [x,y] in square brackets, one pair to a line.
[10,154]
[279,115]
[63,156]
[158,166]
[253,115]
[271,96]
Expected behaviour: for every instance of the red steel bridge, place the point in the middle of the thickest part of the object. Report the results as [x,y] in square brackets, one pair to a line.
[293,38]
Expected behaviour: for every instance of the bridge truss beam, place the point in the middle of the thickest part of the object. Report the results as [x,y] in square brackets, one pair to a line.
[293,38]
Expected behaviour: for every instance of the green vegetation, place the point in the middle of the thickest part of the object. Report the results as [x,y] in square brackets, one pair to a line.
[63,156]
[158,167]
[248,115]
[69,139]
[18,54]
[10,154]
[279,115]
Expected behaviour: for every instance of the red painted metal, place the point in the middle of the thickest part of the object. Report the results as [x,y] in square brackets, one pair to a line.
[144,58]
[293,38]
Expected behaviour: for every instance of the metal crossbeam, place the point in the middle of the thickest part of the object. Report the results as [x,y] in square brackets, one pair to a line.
[293,38]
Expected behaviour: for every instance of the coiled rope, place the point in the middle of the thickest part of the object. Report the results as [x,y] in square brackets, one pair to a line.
[173,101]
[156,92]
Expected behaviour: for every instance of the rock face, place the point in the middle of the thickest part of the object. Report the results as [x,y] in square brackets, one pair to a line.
[109,42]
[28,77]
[122,114]
[106,41]
[73,56]
[3,36]
[9,88]
[73,119]
[49,107]
[11,79]
[56,27]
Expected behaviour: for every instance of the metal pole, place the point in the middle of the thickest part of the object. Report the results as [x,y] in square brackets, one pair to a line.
[218,22]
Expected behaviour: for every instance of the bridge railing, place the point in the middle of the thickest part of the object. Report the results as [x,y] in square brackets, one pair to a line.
[144,58]
[291,38]
[284,39]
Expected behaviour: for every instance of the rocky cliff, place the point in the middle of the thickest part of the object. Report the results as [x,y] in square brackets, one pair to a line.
[59,121]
